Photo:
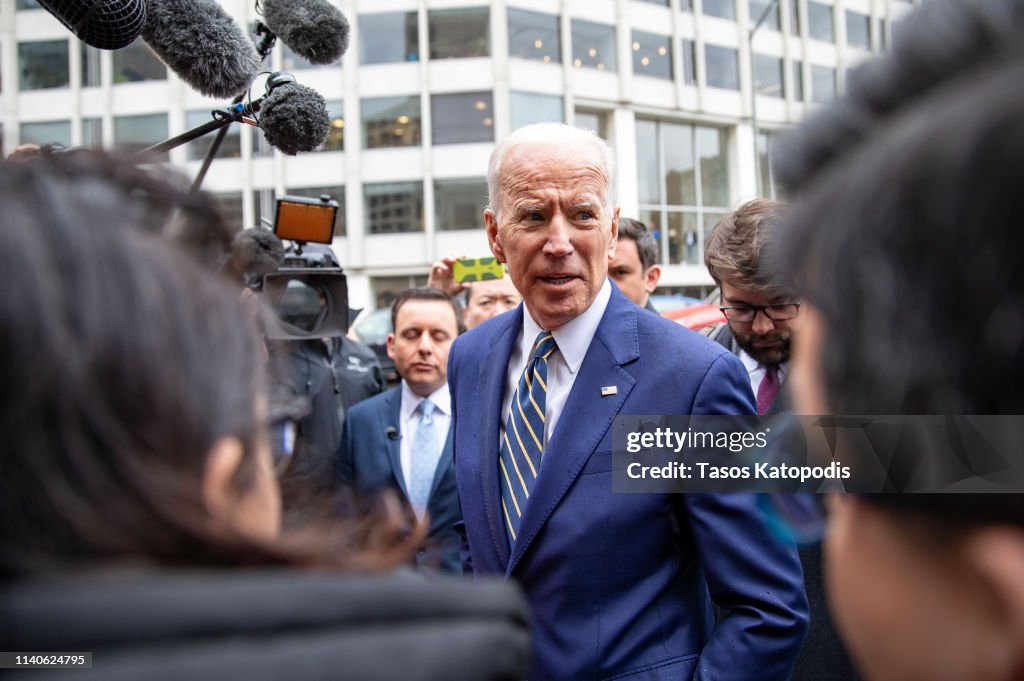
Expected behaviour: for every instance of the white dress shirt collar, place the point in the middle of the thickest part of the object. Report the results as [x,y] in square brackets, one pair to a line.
[574,337]
[441,398]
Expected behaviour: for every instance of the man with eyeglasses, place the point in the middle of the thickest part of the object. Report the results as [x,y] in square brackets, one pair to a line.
[762,318]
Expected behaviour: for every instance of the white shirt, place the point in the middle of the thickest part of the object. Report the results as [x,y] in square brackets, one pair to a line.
[573,340]
[409,421]
[756,371]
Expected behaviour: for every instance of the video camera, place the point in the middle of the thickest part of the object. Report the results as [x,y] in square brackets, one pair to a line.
[309,291]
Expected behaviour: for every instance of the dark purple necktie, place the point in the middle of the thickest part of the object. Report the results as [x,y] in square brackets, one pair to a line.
[767,391]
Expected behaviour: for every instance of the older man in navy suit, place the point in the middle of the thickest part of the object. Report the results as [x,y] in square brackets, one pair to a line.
[401,439]
[619,583]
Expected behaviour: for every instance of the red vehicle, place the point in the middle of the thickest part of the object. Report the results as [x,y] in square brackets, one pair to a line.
[696,316]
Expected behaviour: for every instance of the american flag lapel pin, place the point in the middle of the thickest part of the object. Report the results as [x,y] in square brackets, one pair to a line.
[609,390]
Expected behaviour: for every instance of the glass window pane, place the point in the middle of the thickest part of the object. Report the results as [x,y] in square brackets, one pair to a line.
[798,80]
[456,33]
[710,220]
[768,75]
[264,207]
[593,45]
[663,3]
[723,68]
[592,120]
[230,147]
[45,132]
[680,180]
[764,167]
[724,9]
[391,122]
[689,62]
[527,108]
[714,167]
[685,5]
[28,4]
[757,8]
[336,133]
[390,37]
[43,64]
[683,246]
[819,21]
[229,205]
[858,30]
[823,84]
[459,204]
[137,63]
[462,117]
[533,35]
[392,207]
[652,55]
[652,218]
[794,17]
[90,66]
[337,193]
[136,132]
[92,133]
[647,161]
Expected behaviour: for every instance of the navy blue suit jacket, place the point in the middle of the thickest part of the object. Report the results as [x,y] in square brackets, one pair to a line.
[371,461]
[619,583]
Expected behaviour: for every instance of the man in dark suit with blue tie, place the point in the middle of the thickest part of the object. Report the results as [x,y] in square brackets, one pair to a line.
[401,439]
[618,583]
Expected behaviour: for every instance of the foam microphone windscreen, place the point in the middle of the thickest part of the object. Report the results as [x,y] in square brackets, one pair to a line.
[315,30]
[294,118]
[105,24]
[201,43]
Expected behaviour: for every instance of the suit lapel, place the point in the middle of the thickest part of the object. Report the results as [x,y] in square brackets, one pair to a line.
[586,417]
[492,391]
[390,417]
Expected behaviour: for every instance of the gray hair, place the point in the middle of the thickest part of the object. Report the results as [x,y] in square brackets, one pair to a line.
[554,133]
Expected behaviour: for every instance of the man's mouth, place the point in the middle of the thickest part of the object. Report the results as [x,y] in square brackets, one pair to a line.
[558,279]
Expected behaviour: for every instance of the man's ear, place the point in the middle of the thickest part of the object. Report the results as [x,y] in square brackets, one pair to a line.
[996,555]
[491,222]
[651,278]
[390,345]
[222,463]
[613,239]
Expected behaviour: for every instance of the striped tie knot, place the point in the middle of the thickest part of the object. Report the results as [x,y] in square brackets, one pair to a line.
[544,345]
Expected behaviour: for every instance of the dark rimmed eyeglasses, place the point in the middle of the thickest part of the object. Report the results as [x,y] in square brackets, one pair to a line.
[745,314]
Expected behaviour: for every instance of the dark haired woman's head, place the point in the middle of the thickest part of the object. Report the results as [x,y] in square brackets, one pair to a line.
[131,406]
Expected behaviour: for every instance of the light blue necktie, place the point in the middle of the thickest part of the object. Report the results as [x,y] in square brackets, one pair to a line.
[425,454]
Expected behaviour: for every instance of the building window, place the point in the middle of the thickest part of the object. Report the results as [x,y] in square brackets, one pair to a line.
[27,4]
[45,132]
[393,207]
[230,147]
[391,122]
[336,133]
[652,55]
[138,132]
[757,8]
[858,30]
[593,45]
[528,107]
[823,84]
[689,62]
[798,80]
[459,204]
[765,147]
[137,63]
[794,17]
[460,33]
[264,207]
[90,66]
[768,75]
[391,37]
[723,9]
[593,120]
[92,133]
[663,3]
[533,35]
[723,67]
[337,193]
[683,186]
[43,64]
[819,21]
[685,5]
[387,289]
[465,117]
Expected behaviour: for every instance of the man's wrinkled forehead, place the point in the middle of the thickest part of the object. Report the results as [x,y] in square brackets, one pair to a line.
[533,167]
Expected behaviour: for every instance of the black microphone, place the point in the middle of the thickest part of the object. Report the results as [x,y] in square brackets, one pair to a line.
[316,30]
[104,24]
[393,433]
[293,117]
[201,43]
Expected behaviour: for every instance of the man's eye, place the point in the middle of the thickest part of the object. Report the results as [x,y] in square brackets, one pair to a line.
[586,215]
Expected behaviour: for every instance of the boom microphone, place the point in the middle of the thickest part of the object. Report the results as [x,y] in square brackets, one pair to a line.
[201,43]
[293,117]
[315,30]
[104,24]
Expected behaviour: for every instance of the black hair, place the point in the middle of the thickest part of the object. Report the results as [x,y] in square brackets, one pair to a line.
[646,244]
[427,293]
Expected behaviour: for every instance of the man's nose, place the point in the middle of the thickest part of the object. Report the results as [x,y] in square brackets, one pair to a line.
[558,243]
[762,324]
[426,345]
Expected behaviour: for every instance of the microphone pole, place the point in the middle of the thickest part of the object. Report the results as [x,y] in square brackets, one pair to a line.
[264,47]
[222,118]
